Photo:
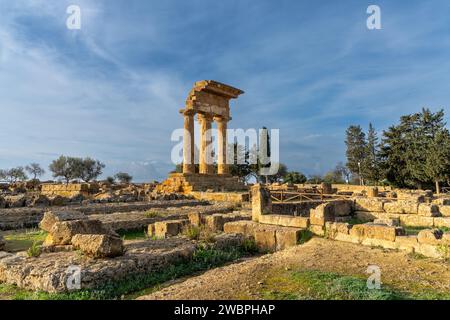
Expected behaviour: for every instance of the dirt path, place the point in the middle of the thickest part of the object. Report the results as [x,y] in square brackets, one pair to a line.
[246,279]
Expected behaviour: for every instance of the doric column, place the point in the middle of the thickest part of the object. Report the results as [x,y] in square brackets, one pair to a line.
[188,143]
[206,161]
[222,166]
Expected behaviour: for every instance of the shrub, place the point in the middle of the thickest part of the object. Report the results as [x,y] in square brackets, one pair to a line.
[192,232]
[34,250]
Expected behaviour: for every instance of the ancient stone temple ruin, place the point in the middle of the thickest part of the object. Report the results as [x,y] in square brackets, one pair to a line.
[210,101]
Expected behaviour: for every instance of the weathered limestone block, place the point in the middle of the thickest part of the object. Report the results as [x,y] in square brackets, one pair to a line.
[62,232]
[322,214]
[342,207]
[433,251]
[196,218]
[215,222]
[98,245]
[54,216]
[389,222]
[164,229]
[285,220]
[261,202]
[372,192]
[343,219]
[374,231]
[430,236]
[317,230]
[333,229]
[407,243]
[374,242]
[15,201]
[442,222]
[444,210]
[401,206]
[428,210]
[286,238]
[369,204]
[228,240]
[244,227]
[414,220]
[266,239]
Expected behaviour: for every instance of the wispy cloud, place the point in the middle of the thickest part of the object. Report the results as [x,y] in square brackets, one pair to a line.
[112,90]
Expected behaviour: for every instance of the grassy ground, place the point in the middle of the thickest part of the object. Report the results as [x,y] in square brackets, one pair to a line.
[319,285]
[22,240]
[133,235]
[136,285]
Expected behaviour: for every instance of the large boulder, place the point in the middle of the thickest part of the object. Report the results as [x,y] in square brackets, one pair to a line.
[430,236]
[15,201]
[62,232]
[54,216]
[98,245]
[38,200]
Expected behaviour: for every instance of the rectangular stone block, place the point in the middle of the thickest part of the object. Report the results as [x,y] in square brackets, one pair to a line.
[402,206]
[266,240]
[285,220]
[428,210]
[406,243]
[215,222]
[342,207]
[373,242]
[442,222]
[317,230]
[244,227]
[195,218]
[287,238]
[321,214]
[444,210]
[164,229]
[416,220]
[369,204]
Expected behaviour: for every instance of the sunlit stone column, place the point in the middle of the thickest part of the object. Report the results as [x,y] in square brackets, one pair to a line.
[206,161]
[222,166]
[188,143]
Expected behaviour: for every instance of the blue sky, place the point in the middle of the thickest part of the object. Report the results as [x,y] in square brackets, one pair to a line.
[112,90]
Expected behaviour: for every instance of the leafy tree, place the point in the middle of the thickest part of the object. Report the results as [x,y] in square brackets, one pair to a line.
[414,152]
[64,167]
[110,180]
[437,165]
[315,179]
[294,177]
[334,176]
[123,177]
[371,163]
[35,170]
[13,175]
[356,150]
[90,169]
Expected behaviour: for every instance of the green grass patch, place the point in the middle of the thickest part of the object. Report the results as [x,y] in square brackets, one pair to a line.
[153,214]
[319,285]
[305,236]
[355,220]
[413,231]
[135,285]
[133,235]
[23,240]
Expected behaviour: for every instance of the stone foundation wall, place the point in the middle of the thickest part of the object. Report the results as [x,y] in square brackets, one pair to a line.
[234,197]
[66,190]
[18,218]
